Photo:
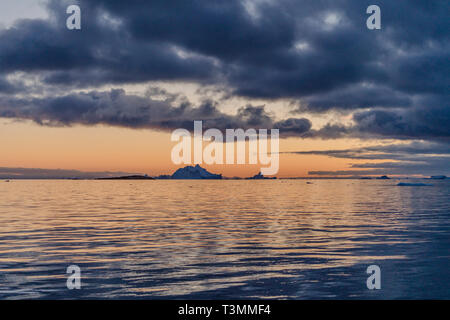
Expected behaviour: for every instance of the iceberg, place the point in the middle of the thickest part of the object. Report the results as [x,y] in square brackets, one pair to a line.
[196,172]
[260,176]
[438,177]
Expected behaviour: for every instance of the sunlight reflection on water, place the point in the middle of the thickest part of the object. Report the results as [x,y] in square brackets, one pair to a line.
[224,239]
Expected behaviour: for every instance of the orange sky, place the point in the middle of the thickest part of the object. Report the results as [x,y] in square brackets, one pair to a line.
[101,148]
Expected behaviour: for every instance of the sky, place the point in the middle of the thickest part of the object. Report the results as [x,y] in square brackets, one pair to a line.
[103,100]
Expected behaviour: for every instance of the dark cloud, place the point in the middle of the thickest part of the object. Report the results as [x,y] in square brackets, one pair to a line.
[293,126]
[355,97]
[7,87]
[428,120]
[317,53]
[96,55]
[116,108]
[426,123]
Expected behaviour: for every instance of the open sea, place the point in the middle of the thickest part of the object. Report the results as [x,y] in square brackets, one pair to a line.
[230,239]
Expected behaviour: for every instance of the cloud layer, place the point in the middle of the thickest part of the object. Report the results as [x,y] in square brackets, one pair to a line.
[397,159]
[317,54]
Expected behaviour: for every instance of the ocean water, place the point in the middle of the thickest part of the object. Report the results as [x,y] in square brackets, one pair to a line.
[277,239]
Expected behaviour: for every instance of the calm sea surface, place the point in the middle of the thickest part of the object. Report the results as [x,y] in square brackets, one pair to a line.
[282,239]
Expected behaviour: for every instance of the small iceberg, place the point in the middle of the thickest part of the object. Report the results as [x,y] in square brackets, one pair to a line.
[404,184]
[260,176]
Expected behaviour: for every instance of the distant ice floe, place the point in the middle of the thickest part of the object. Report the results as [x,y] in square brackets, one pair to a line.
[438,177]
[405,184]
